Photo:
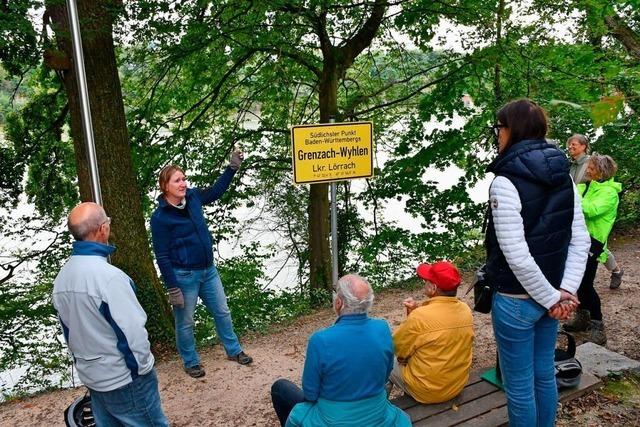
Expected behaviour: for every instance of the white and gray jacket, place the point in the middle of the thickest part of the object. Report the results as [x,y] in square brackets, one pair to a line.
[102,321]
[506,213]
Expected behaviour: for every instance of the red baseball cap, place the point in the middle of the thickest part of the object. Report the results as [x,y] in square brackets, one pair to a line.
[443,274]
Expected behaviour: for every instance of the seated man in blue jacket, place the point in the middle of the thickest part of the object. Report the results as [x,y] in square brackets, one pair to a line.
[346,368]
[103,325]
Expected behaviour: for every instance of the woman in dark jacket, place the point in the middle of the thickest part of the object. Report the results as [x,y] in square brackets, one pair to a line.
[537,247]
[184,251]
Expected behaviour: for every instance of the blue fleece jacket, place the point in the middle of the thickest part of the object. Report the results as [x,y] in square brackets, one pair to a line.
[180,237]
[345,371]
[348,361]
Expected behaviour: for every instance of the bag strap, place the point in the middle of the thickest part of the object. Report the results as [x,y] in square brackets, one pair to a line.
[571,343]
[586,188]
[485,220]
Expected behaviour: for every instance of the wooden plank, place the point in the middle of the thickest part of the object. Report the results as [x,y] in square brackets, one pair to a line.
[495,417]
[499,416]
[468,394]
[405,401]
[480,404]
[466,411]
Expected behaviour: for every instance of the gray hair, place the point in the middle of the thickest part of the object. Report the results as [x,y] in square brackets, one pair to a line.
[605,165]
[345,290]
[90,223]
[582,140]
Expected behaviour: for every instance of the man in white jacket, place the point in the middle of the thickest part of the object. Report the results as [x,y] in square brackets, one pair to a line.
[103,324]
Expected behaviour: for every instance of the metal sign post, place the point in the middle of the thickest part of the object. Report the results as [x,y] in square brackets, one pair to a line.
[85,110]
[334,228]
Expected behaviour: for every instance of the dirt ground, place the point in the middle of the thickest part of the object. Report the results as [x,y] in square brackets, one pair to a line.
[234,395]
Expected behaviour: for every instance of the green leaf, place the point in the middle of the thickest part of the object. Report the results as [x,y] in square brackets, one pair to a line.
[606,110]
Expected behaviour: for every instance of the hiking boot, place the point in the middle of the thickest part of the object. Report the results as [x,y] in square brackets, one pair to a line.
[195,371]
[616,279]
[579,323]
[595,333]
[242,358]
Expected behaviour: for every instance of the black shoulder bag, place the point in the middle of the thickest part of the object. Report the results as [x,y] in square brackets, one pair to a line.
[482,289]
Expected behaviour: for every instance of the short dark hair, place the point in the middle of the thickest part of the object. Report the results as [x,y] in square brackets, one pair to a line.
[451,293]
[525,119]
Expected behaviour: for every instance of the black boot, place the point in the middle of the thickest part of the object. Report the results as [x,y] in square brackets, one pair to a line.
[596,333]
[579,323]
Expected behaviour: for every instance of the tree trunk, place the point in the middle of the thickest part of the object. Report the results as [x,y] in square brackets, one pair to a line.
[335,62]
[318,208]
[120,193]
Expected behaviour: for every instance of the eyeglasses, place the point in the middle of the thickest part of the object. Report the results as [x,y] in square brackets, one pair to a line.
[106,221]
[496,128]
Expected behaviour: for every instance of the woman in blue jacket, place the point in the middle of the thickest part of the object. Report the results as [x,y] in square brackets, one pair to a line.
[184,251]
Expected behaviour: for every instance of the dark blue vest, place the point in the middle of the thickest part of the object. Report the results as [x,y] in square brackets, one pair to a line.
[540,173]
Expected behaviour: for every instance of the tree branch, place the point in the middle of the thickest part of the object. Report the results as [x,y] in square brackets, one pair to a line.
[365,35]
[405,97]
[10,267]
[624,34]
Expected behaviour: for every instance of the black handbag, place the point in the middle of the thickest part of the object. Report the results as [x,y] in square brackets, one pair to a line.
[482,289]
[596,248]
[568,368]
[482,292]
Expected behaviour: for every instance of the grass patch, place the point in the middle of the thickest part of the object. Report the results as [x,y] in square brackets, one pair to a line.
[625,387]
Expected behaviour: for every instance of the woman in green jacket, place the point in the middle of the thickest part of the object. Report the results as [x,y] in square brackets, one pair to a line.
[600,207]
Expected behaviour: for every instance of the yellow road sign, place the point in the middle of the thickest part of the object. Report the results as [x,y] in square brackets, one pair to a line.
[332,152]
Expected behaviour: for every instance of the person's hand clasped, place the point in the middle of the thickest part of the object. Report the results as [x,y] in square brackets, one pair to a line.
[176,298]
[410,304]
[564,308]
[237,156]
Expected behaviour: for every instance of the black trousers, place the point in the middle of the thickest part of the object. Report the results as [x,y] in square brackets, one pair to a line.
[589,299]
[285,395]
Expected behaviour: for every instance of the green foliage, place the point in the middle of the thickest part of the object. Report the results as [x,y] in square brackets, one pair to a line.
[606,110]
[18,40]
[621,141]
[30,335]
[254,307]
[37,145]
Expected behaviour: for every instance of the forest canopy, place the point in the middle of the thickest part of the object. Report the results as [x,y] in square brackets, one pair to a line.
[185,81]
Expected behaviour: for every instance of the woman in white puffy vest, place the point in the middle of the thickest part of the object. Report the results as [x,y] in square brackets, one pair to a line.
[537,246]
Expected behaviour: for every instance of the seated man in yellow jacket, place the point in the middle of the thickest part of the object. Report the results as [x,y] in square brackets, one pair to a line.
[434,345]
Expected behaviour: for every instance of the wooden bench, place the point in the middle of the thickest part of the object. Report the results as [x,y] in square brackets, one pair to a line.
[479,404]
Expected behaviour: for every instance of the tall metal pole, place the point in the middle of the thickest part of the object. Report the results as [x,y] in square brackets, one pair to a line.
[85,110]
[334,227]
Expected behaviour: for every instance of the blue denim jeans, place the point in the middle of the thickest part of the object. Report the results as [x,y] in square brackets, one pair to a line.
[135,404]
[205,284]
[526,340]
